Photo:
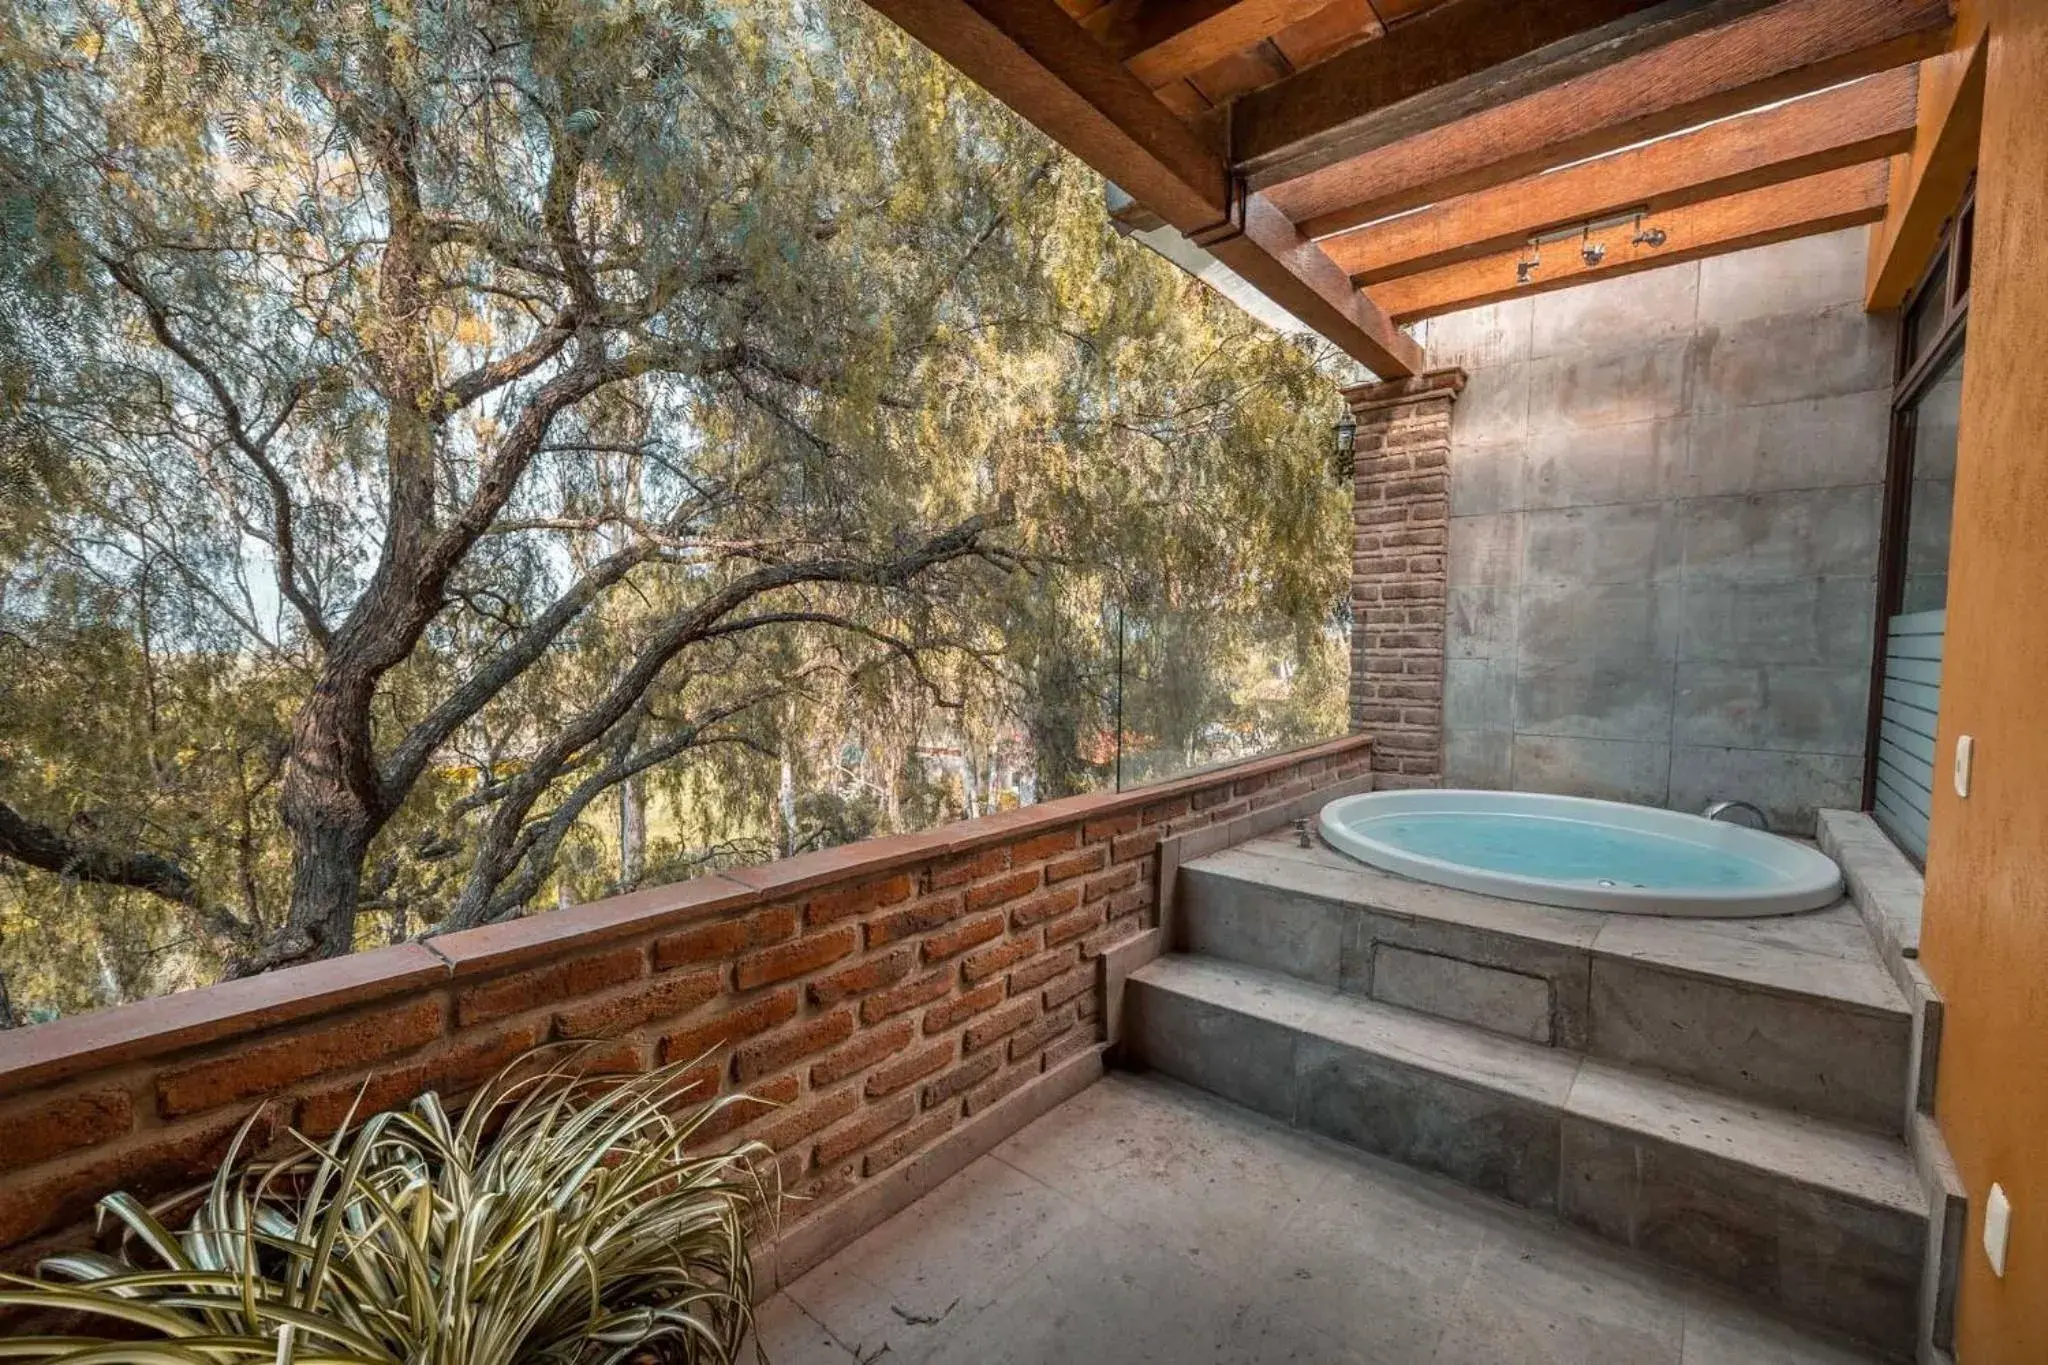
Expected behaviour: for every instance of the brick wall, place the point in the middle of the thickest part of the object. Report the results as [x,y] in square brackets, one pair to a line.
[1400,515]
[875,997]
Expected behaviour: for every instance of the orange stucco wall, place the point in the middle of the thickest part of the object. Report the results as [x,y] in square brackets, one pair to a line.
[1985,938]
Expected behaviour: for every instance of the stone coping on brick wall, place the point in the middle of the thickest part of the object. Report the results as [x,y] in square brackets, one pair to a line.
[42,1054]
[869,1001]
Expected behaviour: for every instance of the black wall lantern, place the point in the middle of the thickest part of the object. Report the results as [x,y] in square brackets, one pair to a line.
[1345,432]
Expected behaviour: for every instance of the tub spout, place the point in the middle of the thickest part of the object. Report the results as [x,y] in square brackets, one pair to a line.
[1731,811]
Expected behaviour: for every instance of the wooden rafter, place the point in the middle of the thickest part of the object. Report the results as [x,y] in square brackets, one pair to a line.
[1927,188]
[1035,58]
[1163,40]
[1443,66]
[1867,121]
[1790,48]
[1800,208]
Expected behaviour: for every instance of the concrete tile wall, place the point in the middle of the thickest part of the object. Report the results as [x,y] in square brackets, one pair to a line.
[1665,495]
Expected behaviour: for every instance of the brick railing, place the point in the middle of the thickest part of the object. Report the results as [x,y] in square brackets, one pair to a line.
[874,997]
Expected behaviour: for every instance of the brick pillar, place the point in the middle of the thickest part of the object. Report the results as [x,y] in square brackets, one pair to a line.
[1400,517]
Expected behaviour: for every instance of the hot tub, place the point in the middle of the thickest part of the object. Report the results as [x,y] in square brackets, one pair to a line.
[1584,854]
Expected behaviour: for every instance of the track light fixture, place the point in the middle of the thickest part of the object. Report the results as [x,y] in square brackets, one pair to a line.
[1591,252]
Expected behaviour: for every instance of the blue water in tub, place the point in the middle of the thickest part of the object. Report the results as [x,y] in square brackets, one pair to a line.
[1565,850]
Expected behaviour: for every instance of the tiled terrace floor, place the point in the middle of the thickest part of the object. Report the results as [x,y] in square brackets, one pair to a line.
[1143,1222]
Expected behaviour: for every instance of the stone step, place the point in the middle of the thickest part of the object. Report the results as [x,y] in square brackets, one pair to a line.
[1824,1221]
[1795,1012]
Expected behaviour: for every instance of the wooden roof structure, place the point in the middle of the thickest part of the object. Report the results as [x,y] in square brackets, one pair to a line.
[1364,163]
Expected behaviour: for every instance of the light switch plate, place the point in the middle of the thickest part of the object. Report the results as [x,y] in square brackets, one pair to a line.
[1966,748]
[1997,1226]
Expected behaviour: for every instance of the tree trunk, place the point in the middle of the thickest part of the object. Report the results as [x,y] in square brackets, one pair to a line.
[785,805]
[892,789]
[632,832]
[107,985]
[970,798]
[332,801]
[327,877]
[330,805]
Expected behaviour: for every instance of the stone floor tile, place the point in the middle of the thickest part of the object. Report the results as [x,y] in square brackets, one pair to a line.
[790,1336]
[1376,1260]
[1722,1333]
[1168,1161]
[1118,1295]
[916,1278]
[1538,1300]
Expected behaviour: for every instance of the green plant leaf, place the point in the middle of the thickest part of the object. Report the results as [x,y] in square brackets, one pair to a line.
[561,1220]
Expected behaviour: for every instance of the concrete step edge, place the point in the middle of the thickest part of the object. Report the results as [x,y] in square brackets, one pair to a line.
[1779,1144]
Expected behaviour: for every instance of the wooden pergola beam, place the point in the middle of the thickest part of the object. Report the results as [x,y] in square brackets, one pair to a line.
[1159,41]
[1867,121]
[1791,48]
[1445,65]
[1034,57]
[1927,186]
[1776,213]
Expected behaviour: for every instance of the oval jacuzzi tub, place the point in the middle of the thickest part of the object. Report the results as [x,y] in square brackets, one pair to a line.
[1579,853]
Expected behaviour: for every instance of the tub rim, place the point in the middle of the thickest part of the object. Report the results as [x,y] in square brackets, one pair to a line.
[1812,879]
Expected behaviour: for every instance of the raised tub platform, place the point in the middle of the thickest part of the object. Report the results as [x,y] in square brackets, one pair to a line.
[1794,1009]
[1727,1096]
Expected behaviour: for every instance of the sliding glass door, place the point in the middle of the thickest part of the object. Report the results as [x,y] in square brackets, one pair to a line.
[1913,586]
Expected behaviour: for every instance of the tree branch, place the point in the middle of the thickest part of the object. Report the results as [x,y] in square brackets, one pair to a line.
[681,630]
[39,846]
[410,758]
[538,844]
[460,392]
[254,448]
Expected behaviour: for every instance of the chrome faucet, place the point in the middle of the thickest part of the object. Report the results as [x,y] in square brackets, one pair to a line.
[1726,810]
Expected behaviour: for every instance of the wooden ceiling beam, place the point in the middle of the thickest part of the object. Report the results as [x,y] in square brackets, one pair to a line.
[1867,121]
[1928,187]
[1160,41]
[1791,48]
[1034,57]
[1776,213]
[1443,66]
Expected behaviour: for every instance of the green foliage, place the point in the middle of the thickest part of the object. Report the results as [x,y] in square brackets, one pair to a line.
[853,305]
[558,1220]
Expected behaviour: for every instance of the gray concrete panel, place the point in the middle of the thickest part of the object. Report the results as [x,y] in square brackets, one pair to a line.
[1610,769]
[1575,390]
[1798,355]
[1494,1143]
[1790,786]
[1620,700]
[1805,275]
[1625,462]
[1796,534]
[1772,706]
[1640,309]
